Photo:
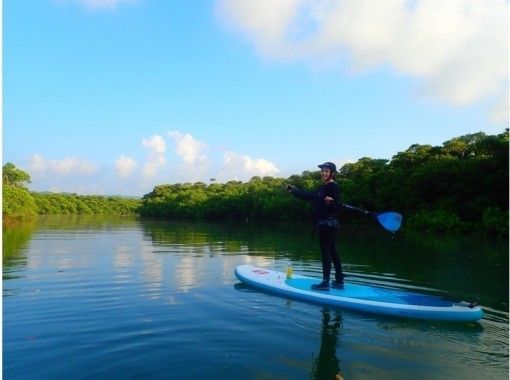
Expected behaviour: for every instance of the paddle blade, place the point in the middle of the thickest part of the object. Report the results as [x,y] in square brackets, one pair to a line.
[390,220]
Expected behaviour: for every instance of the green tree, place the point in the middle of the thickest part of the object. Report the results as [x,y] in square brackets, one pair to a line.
[13,176]
[17,203]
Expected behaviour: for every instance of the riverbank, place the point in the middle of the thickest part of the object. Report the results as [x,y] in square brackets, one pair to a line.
[458,187]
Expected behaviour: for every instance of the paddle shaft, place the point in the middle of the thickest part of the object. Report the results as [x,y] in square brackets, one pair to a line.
[389,220]
[365,212]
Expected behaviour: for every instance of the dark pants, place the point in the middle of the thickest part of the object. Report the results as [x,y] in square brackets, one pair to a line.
[327,237]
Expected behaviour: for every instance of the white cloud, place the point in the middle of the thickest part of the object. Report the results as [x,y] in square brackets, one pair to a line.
[499,113]
[155,144]
[265,22]
[188,148]
[69,174]
[124,166]
[40,165]
[459,48]
[241,167]
[156,156]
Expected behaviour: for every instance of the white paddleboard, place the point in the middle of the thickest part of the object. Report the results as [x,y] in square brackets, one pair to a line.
[366,298]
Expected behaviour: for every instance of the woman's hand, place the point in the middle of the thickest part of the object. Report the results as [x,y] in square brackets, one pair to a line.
[328,200]
[289,188]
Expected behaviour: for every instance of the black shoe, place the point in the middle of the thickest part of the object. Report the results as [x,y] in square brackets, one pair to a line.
[324,285]
[337,284]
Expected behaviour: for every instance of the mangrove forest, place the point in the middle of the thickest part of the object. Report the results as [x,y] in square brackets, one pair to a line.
[459,186]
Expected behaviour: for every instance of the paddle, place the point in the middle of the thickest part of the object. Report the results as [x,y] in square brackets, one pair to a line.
[390,220]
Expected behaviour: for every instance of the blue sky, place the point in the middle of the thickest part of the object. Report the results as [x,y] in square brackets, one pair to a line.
[114,97]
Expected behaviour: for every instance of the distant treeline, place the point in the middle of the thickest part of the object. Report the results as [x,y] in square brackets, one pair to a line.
[21,204]
[50,203]
[461,185]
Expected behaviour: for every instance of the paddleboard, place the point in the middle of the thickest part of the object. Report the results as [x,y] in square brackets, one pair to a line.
[366,298]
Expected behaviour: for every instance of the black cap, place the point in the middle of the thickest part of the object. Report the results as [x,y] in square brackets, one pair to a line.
[331,166]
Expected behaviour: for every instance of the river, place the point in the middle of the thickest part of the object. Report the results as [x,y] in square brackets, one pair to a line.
[107,298]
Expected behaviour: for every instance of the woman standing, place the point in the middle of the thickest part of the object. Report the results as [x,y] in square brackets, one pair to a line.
[326,204]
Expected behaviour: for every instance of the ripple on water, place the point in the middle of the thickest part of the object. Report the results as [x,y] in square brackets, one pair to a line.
[152,306]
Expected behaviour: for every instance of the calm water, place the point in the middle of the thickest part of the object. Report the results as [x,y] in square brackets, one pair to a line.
[88,298]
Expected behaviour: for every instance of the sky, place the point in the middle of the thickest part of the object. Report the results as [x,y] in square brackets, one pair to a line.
[118,96]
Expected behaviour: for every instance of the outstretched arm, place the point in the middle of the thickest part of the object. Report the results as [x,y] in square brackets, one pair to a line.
[301,194]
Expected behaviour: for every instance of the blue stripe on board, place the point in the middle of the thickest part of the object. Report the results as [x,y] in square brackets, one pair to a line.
[372,293]
[403,309]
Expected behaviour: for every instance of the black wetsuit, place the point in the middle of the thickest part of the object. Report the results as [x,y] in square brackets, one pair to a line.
[326,221]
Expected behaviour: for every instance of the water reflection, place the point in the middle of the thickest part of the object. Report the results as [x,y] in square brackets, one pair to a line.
[187,248]
[151,272]
[85,223]
[214,239]
[467,267]
[134,277]
[15,241]
[123,257]
[327,365]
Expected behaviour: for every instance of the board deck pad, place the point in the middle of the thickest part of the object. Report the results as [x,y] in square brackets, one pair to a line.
[372,293]
[366,298]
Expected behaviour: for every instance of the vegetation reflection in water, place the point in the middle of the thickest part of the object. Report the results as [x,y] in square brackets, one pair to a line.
[176,271]
[464,265]
[459,263]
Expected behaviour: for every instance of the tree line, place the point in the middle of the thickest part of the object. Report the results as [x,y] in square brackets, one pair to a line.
[18,203]
[461,185]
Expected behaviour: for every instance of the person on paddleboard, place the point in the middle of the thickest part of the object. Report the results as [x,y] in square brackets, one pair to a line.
[326,205]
